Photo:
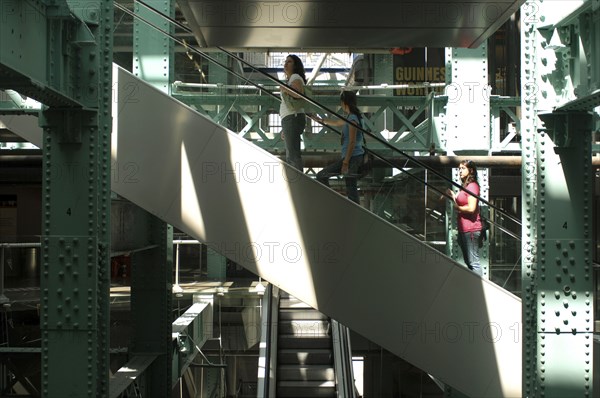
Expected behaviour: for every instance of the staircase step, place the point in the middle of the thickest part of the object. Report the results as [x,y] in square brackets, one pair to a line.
[305,328]
[305,373]
[306,389]
[305,357]
[303,343]
[293,302]
[298,313]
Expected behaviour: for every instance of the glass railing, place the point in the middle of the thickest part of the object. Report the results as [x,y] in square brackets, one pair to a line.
[402,189]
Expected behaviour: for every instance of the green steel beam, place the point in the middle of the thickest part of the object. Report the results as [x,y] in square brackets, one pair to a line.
[45,48]
[254,109]
[190,331]
[128,374]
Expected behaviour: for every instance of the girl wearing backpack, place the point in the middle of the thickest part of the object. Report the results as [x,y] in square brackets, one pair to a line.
[352,141]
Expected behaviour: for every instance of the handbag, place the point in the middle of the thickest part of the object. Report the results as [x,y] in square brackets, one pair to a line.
[299,104]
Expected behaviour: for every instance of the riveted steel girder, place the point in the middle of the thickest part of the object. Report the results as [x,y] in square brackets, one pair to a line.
[557,210]
[48,52]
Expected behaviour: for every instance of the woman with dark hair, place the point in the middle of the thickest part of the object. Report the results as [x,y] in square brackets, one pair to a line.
[469,220]
[293,120]
[352,147]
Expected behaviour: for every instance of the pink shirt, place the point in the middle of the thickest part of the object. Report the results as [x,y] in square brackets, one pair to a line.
[468,222]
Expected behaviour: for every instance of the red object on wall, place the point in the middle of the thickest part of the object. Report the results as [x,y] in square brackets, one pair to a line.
[401,50]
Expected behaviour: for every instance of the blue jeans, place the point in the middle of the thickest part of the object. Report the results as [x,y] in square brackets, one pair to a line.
[293,127]
[469,244]
[335,169]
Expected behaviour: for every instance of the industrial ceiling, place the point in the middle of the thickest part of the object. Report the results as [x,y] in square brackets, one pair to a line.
[348,24]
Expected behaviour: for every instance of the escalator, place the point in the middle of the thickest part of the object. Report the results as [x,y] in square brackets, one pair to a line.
[303,353]
[323,249]
[305,365]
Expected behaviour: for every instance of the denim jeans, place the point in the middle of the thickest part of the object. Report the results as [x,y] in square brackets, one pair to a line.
[335,169]
[469,244]
[293,127]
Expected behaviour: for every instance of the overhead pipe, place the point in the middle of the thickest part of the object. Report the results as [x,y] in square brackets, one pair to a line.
[323,159]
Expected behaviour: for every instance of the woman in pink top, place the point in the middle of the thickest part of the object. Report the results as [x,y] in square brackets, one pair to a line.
[469,221]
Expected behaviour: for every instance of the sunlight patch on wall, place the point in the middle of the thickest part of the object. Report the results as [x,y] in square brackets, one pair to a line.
[276,245]
[506,336]
[191,214]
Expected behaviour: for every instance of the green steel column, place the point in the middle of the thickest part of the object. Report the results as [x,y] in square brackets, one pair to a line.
[557,226]
[216,266]
[218,75]
[484,254]
[153,51]
[76,210]
[215,262]
[152,276]
[151,305]
[529,126]
[563,279]
[383,72]
[468,109]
